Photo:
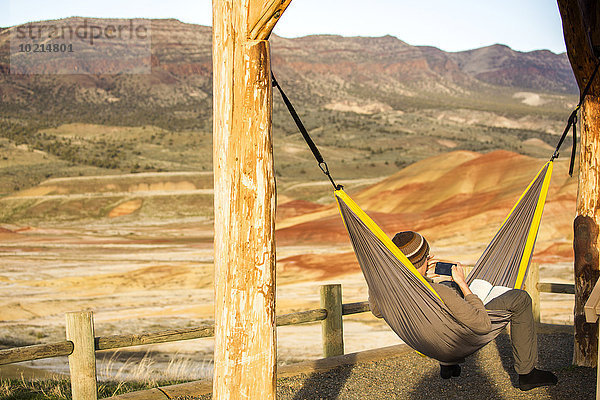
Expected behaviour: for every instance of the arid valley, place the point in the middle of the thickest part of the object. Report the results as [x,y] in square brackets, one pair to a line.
[106,185]
[142,274]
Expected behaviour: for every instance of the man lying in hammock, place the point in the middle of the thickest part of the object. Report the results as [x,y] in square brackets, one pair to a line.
[467,308]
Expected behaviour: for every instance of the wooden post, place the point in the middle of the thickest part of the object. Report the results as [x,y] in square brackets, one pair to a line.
[586,233]
[332,327]
[244,199]
[582,37]
[82,362]
[531,285]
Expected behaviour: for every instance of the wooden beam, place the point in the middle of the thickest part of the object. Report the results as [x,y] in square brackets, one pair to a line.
[580,32]
[532,286]
[262,21]
[35,352]
[244,200]
[120,341]
[586,224]
[355,308]
[579,28]
[301,317]
[549,287]
[245,349]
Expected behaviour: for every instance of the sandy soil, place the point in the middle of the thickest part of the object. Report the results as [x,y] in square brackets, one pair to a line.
[149,279]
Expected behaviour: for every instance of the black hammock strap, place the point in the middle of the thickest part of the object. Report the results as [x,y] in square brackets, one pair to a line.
[311,144]
[572,122]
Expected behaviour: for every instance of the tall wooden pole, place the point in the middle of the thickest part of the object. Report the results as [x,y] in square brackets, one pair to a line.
[244,200]
[586,232]
[582,34]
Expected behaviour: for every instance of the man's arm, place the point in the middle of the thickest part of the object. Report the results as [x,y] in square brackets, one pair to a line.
[471,312]
[458,276]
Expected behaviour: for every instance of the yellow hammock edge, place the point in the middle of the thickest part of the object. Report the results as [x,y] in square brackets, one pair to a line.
[535,224]
[531,236]
[373,227]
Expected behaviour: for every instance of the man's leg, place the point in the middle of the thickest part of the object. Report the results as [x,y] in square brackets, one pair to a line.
[523,338]
[522,327]
[448,370]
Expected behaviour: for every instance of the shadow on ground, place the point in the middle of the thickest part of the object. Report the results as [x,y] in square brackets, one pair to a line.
[324,386]
[487,375]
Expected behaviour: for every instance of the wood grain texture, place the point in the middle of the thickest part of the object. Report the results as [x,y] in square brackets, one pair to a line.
[35,352]
[244,201]
[580,29]
[301,317]
[82,362]
[585,244]
[575,30]
[562,288]
[592,305]
[332,329]
[531,286]
[356,308]
[262,21]
[172,335]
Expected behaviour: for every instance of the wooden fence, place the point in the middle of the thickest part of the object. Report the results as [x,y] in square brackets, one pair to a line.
[81,344]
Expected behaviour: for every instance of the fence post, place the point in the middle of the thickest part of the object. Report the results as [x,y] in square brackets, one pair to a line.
[531,285]
[82,362]
[331,327]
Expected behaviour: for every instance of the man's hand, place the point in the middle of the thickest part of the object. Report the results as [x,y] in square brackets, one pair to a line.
[431,268]
[458,276]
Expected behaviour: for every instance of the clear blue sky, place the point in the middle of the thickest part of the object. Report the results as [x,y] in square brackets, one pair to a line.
[524,25]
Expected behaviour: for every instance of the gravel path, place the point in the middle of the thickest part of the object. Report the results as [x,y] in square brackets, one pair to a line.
[486,375]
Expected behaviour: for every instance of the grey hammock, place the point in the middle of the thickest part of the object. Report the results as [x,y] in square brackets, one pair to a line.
[407,301]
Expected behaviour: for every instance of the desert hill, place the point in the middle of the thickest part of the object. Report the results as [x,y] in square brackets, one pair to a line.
[373,105]
[141,196]
[457,200]
[181,68]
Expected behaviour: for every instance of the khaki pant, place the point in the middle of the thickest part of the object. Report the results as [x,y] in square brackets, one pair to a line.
[522,327]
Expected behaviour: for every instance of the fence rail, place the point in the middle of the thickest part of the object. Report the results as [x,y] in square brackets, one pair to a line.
[65,348]
[36,352]
[547,287]
[330,316]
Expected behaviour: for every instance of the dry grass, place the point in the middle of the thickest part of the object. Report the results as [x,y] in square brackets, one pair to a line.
[125,367]
[120,373]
